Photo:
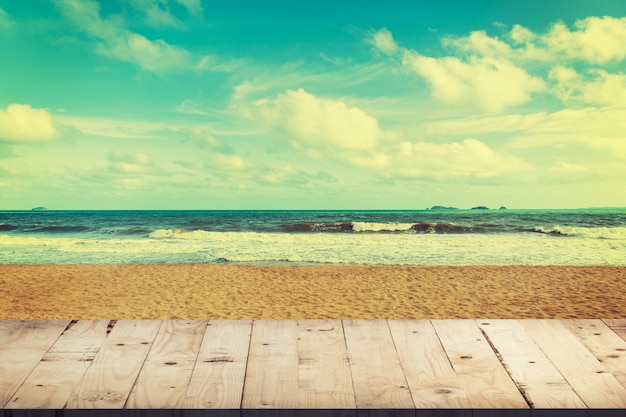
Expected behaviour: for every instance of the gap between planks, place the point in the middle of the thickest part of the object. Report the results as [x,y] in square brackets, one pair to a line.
[353,342]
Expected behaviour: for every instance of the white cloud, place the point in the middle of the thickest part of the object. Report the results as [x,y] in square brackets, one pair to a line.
[481,43]
[491,83]
[383,41]
[598,88]
[597,39]
[468,159]
[22,123]
[310,121]
[126,163]
[122,44]
[595,128]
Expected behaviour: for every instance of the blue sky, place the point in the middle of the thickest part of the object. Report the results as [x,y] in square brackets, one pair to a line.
[188,104]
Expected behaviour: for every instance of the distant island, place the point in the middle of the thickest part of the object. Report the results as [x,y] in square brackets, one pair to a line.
[442,208]
[40,208]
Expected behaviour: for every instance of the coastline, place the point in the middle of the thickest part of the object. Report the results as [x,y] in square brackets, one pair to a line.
[210,291]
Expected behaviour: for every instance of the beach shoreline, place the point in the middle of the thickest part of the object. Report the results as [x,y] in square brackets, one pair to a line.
[213,291]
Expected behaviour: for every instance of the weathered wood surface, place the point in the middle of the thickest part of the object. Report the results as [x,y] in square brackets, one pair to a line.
[341,367]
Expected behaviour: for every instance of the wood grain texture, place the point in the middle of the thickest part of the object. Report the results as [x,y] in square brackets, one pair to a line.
[604,343]
[618,326]
[377,375]
[431,378]
[272,374]
[485,381]
[325,380]
[529,367]
[22,349]
[218,376]
[166,372]
[54,378]
[112,374]
[582,370]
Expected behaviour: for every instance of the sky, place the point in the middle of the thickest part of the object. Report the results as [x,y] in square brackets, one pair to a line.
[190,104]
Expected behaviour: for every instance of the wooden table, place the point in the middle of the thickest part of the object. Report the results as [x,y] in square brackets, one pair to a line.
[333,367]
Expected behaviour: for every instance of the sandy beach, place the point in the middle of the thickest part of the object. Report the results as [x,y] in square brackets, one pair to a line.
[192,291]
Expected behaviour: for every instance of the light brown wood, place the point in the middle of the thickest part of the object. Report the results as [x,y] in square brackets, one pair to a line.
[82,336]
[604,343]
[8,327]
[432,380]
[582,370]
[325,380]
[166,372]
[377,375]
[272,374]
[110,378]
[618,326]
[529,367]
[22,349]
[485,381]
[218,376]
[52,381]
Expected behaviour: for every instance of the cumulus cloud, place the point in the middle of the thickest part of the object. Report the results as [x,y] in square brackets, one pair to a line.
[314,122]
[491,83]
[122,44]
[595,40]
[383,41]
[22,123]
[597,87]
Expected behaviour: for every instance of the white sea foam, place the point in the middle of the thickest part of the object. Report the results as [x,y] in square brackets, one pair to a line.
[380,227]
[174,246]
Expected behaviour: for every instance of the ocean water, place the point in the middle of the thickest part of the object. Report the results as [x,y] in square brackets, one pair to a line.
[419,237]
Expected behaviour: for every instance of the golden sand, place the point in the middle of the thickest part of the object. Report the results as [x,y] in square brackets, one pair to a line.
[308,292]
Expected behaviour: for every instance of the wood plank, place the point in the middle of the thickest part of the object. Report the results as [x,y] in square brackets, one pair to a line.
[530,368]
[431,378]
[618,326]
[377,375]
[594,385]
[604,343]
[22,349]
[110,378]
[166,372]
[615,323]
[484,378]
[8,327]
[51,382]
[272,374]
[82,336]
[218,376]
[325,381]
[54,378]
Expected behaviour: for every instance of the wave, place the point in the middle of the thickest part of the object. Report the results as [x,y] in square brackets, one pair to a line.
[614,233]
[4,227]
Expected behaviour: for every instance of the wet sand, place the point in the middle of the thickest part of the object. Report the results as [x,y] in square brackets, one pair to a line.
[191,291]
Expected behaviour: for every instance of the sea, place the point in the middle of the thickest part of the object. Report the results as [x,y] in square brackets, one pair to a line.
[391,237]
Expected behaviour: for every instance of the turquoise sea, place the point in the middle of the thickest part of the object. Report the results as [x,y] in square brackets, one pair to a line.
[403,237]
